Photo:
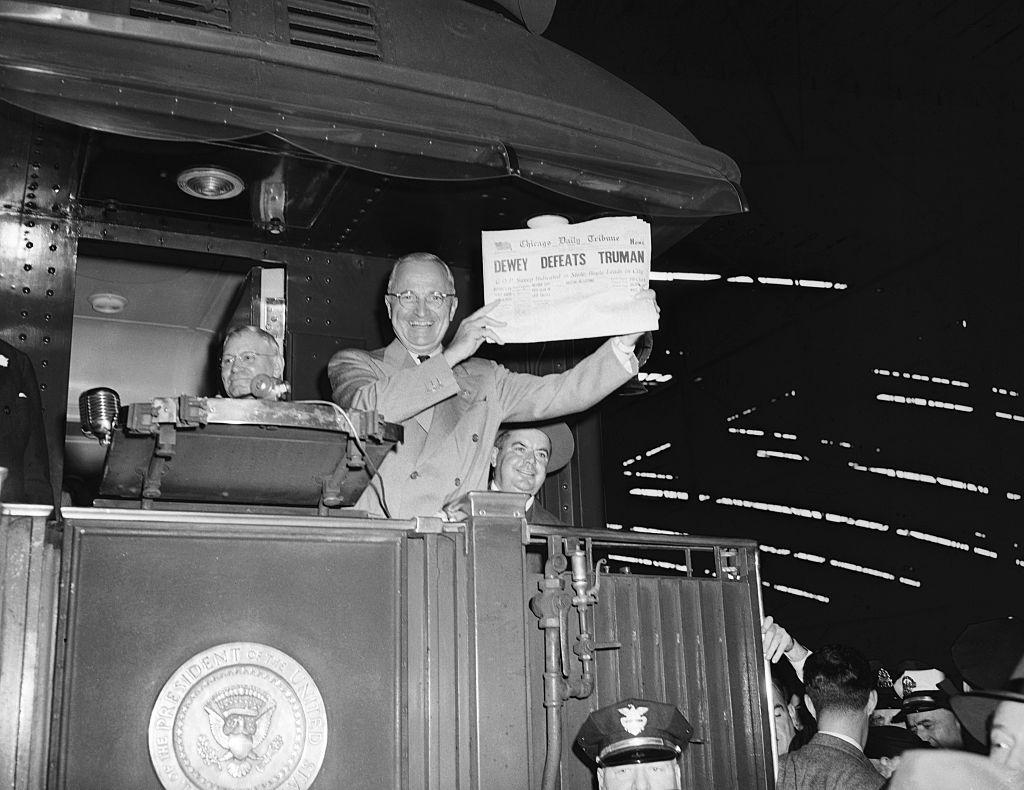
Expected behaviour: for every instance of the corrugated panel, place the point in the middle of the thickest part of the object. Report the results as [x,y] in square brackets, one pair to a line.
[204,13]
[690,642]
[347,27]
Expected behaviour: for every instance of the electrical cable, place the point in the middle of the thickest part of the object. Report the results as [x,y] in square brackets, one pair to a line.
[374,472]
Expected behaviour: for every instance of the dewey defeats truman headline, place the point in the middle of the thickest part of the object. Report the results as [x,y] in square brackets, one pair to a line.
[572,258]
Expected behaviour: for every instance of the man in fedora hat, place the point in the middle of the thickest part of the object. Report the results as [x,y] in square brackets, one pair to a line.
[636,743]
[522,458]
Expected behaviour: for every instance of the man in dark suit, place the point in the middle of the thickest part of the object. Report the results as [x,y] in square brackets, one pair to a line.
[524,456]
[841,695]
[450,403]
[22,436]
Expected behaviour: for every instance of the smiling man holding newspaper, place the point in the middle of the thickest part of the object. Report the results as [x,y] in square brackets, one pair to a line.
[450,403]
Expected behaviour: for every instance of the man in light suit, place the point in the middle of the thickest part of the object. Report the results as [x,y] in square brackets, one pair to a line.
[841,695]
[450,403]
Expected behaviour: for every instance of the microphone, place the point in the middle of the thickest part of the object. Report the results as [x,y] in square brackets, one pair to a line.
[267,387]
[99,409]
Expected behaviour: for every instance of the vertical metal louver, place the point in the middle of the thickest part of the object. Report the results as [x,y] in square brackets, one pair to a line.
[347,27]
[202,13]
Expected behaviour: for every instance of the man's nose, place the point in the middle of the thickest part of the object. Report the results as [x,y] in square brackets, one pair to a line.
[640,781]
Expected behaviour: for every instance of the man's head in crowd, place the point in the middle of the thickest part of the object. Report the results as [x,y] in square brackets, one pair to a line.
[248,351]
[938,726]
[840,689]
[926,708]
[635,744]
[787,723]
[421,301]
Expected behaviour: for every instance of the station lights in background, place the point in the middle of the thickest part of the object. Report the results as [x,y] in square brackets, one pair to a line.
[744,279]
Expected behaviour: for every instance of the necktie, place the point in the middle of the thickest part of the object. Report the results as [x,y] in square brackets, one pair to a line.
[423,357]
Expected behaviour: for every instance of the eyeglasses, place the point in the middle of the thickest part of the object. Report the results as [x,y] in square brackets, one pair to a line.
[246,358]
[434,300]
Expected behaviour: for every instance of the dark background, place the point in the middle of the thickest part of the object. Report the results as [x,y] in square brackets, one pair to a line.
[880,146]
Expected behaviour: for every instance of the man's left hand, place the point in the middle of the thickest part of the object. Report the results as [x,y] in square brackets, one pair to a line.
[628,341]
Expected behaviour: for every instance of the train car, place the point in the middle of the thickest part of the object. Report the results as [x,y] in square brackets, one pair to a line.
[202,608]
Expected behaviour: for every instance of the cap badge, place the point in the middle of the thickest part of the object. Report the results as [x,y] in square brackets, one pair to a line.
[909,684]
[633,719]
[884,679]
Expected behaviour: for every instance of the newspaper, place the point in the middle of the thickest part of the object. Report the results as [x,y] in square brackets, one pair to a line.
[570,281]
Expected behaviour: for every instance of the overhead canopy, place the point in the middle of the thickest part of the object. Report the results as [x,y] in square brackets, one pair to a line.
[437,90]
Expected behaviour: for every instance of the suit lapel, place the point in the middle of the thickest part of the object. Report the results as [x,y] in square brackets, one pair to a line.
[399,357]
[448,413]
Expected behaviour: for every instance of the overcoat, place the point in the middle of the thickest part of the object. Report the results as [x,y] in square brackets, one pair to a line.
[451,415]
[827,763]
[22,437]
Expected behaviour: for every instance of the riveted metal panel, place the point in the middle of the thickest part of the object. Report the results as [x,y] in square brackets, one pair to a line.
[692,642]
[146,594]
[38,251]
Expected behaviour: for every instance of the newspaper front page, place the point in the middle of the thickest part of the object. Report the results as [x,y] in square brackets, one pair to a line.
[570,281]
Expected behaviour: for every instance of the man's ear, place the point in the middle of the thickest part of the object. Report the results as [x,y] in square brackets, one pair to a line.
[794,704]
[872,701]
[387,306]
[600,778]
[810,706]
[494,457]
[455,306]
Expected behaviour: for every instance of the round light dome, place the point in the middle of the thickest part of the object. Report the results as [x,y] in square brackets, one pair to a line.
[107,303]
[210,183]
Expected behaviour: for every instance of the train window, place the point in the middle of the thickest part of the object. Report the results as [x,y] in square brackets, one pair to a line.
[147,323]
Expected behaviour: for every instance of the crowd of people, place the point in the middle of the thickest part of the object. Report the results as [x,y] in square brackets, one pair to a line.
[842,723]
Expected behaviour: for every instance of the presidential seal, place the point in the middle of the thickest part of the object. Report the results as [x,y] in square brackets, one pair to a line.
[239,716]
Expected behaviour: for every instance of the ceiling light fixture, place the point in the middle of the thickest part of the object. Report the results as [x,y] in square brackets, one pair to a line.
[546,221]
[107,303]
[210,183]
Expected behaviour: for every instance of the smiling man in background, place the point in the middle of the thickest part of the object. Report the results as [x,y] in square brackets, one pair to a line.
[251,364]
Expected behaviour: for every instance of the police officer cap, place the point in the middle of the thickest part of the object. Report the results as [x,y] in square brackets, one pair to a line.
[634,731]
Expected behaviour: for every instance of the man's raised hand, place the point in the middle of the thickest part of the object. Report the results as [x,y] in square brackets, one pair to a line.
[475,330]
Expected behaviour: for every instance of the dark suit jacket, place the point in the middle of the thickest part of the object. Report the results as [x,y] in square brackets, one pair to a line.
[22,437]
[827,763]
[452,416]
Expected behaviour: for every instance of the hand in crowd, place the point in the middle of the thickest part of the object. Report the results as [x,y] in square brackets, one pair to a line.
[775,640]
[628,341]
[475,330]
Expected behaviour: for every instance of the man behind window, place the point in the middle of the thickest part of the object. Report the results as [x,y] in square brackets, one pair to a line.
[251,364]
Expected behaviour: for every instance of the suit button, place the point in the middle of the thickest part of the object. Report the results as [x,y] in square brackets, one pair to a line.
[458,481]
[414,475]
[476,437]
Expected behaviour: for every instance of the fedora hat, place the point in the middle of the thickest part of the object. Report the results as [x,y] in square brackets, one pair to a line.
[975,708]
[562,443]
